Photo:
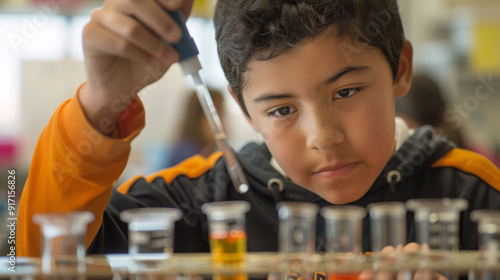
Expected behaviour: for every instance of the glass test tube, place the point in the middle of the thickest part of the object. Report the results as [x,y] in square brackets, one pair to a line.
[63,241]
[344,233]
[151,236]
[388,237]
[228,238]
[437,222]
[489,241]
[297,237]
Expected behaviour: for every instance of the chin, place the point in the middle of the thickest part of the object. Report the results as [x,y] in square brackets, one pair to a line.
[342,197]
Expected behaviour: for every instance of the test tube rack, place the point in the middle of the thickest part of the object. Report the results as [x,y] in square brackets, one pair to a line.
[256,265]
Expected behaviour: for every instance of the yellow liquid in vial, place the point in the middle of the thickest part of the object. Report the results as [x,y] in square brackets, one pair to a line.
[229,248]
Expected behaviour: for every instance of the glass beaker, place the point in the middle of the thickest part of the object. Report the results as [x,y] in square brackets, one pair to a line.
[227,235]
[150,236]
[437,222]
[489,241]
[344,233]
[388,237]
[64,245]
[297,237]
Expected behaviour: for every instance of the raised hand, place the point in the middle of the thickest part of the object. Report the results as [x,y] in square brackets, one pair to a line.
[126,48]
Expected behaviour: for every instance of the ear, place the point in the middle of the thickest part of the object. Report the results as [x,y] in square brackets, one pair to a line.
[231,91]
[405,70]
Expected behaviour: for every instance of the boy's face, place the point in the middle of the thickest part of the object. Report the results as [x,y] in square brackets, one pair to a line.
[327,118]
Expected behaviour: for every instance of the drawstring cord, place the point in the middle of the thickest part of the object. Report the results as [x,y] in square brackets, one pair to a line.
[393,177]
[276,186]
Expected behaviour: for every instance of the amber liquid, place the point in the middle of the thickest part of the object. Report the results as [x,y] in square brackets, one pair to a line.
[340,260]
[229,249]
[343,276]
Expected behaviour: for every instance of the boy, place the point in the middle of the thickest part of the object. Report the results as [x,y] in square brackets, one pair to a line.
[317,78]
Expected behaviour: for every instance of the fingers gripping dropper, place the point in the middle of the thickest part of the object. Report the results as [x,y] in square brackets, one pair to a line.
[191,67]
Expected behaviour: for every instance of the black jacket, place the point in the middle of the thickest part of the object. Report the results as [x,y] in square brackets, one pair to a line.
[429,167]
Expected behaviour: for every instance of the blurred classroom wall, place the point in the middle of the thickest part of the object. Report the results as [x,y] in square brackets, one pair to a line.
[457,42]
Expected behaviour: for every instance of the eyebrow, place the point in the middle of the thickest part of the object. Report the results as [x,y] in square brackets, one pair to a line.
[272,96]
[343,72]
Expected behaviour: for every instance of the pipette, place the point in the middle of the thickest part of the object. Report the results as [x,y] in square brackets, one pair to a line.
[191,67]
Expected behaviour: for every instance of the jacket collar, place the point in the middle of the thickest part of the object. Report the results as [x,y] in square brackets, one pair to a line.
[415,154]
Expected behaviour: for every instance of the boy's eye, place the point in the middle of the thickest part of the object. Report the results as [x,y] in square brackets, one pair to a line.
[281,111]
[345,93]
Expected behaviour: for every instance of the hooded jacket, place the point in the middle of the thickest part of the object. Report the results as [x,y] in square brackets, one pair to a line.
[424,166]
[416,170]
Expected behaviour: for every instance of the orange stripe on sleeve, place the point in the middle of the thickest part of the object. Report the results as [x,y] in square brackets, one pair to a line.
[191,167]
[472,163]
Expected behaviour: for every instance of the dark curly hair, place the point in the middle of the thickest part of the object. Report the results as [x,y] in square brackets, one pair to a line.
[264,29]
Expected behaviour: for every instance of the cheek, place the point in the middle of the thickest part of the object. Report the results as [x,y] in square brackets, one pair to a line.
[375,133]
[272,131]
[278,140]
[285,145]
[280,137]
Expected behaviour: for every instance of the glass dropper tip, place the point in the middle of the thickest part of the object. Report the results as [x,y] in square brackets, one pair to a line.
[243,188]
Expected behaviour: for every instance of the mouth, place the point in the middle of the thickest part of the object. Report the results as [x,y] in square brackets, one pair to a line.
[336,171]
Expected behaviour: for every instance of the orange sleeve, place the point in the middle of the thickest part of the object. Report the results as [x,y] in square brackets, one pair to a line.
[73,169]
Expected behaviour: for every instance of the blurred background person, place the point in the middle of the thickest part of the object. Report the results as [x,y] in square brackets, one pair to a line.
[195,135]
[425,104]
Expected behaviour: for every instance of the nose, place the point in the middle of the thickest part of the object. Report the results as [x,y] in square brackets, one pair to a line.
[323,132]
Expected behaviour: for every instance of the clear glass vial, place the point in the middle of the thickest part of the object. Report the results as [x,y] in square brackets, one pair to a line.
[388,238]
[63,241]
[344,233]
[150,236]
[227,235]
[437,227]
[489,241]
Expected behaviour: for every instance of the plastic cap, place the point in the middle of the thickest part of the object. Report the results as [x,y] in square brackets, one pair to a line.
[225,209]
